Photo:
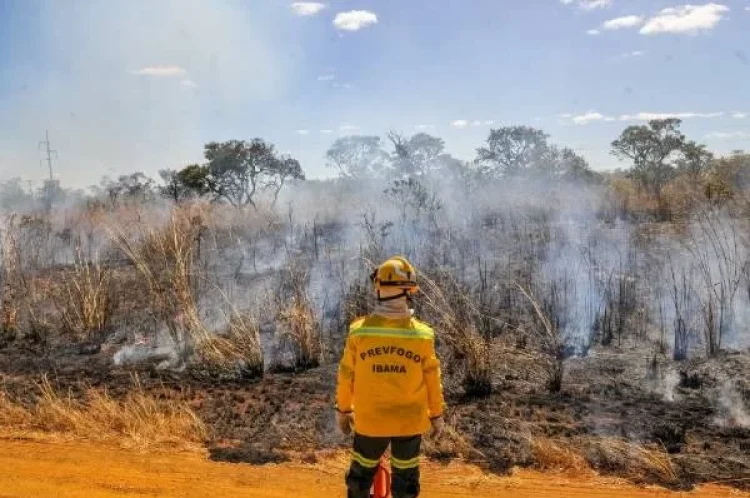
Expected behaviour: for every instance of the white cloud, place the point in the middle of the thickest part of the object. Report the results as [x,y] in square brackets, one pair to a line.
[594,4]
[687,19]
[345,86]
[460,123]
[588,4]
[729,135]
[326,132]
[648,116]
[160,71]
[424,127]
[489,122]
[740,115]
[303,132]
[307,8]
[348,128]
[189,83]
[476,123]
[623,23]
[635,53]
[326,77]
[593,32]
[354,20]
[588,117]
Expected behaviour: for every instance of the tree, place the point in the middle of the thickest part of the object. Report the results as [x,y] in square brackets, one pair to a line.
[172,188]
[653,149]
[190,182]
[236,169]
[416,156]
[575,168]
[695,161]
[283,170]
[513,149]
[357,157]
[133,187]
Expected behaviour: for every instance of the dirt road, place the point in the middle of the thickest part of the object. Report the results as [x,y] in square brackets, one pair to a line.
[68,470]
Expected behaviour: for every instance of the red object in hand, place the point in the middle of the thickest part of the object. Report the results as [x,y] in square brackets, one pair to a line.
[381,486]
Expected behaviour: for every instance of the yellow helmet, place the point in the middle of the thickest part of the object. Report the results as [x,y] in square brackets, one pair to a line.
[396,272]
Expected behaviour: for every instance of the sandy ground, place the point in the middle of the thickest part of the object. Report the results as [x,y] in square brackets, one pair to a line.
[61,470]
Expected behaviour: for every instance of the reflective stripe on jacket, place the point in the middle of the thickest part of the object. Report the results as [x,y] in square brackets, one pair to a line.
[389,376]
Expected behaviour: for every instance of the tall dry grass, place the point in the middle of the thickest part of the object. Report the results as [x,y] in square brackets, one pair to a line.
[456,316]
[551,340]
[237,351]
[137,421]
[166,259]
[623,457]
[83,297]
[557,456]
[297,327]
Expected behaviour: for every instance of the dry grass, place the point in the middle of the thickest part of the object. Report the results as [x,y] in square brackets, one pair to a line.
[551,341]
[616,455]
[299,328]
[138,421]
[558,456]
[239,347]
[83,297]
[456,316]
[166,260]
[451,445]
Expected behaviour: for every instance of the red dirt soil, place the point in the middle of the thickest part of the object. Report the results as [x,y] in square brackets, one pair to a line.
[67,470]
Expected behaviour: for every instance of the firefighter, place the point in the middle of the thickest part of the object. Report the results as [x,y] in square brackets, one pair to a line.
[389,389]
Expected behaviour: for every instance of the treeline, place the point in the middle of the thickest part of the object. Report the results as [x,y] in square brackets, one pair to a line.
[669,173]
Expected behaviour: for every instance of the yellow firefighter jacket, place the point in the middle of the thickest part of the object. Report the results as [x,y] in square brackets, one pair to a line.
[389,377]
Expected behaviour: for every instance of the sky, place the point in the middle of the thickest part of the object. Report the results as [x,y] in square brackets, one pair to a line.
[141,85]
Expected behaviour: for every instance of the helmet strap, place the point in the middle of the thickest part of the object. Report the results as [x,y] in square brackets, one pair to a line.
[393,298]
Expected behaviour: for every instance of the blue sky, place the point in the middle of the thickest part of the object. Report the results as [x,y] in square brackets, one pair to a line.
[142,85]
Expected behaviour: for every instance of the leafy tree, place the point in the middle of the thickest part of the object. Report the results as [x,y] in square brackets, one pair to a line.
[238,170]
[190,182]
[282,171]
[172,188]
[513,149]
[357,157]
[133,187]
[575,168]
[695,161]
[653,148]
[416,156]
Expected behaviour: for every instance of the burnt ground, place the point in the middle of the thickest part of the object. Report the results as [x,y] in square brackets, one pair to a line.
[613,394]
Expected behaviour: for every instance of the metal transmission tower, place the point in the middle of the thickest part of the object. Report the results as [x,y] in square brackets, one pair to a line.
[44,145]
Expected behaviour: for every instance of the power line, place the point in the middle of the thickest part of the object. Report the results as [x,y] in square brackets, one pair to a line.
[49,153]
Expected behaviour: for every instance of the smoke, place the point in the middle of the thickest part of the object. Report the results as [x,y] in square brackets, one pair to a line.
[667,384]
[141,80]
[731,409]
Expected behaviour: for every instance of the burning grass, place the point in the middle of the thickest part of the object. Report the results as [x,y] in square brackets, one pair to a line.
[137,421]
